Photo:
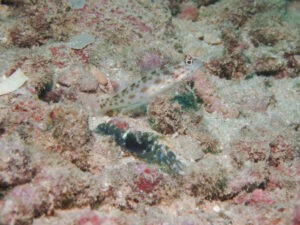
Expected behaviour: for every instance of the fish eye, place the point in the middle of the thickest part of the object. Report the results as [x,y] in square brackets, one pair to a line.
[188,60]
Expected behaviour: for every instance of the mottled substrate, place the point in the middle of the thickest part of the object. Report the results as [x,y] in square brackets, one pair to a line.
[240,147]
[144,145]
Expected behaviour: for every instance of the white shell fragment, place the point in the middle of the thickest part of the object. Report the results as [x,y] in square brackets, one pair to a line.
[13,82]
[80,41]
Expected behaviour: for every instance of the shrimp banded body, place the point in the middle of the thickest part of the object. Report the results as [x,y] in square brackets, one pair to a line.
[150,85]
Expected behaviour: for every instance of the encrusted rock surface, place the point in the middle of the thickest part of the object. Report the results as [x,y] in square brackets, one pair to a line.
[231,129]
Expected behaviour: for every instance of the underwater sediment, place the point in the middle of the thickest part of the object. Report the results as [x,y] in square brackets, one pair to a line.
[219,146]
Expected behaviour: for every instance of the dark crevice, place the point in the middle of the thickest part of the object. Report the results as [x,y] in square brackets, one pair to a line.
[247,188]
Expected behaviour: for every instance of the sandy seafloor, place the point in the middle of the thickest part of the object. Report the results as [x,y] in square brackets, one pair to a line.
[222,147]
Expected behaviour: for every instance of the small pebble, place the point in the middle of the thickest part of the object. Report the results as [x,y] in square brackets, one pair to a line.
[98,75]
[212,39]
[80,41]
[217,208]
[88,84]
[70,76]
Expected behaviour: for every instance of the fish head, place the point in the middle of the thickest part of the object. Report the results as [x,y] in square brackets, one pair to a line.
[190,65]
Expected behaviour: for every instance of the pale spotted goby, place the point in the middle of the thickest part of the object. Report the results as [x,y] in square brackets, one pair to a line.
[151,85]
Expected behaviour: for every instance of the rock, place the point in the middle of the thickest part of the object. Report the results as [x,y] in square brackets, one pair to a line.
[164,117]
[88,84]
[80,41]
[212,38]
[188,12]
[70,76]
[15,162]
[70,127]
[99,75]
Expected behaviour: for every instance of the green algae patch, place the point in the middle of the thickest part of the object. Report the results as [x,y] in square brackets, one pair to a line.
[187,101]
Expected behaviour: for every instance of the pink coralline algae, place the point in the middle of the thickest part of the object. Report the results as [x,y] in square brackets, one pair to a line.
[30,113]
[24,203]
[90,218]
[258,196]
[212,102]
[50,189]
[122,125]
[148,180]
[150,61]
[59,54]
[16,167]
[188,12]
[254,151]
[296,216]
[280,152]
[217,146]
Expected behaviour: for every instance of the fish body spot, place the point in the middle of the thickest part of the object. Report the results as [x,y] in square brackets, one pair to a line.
[177,67]
[157,81]
[144,79]
[144,89]
[131,96]
[125,91]
[166,71]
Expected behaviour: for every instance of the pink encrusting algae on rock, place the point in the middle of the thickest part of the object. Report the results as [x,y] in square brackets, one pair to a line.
[150,61]
[218,140]
[188,12]
[212,102]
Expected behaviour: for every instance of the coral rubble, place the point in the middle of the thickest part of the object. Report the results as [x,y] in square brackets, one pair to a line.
[219,147]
